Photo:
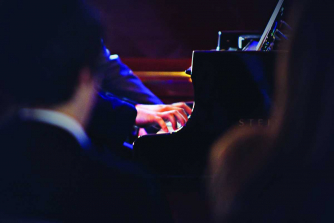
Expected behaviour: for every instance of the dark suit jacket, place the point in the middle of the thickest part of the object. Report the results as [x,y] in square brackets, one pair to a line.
[45,174]
[120,81]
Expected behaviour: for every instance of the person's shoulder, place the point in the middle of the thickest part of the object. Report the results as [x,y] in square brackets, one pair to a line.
[240,143]
[17,133]
[235,158]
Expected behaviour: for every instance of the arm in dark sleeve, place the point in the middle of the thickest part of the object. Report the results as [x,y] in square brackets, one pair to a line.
[123,83]
[111,121]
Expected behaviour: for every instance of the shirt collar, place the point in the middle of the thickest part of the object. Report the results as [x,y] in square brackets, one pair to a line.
[57,119]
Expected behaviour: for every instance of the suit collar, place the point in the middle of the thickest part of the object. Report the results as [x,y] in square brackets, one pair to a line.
[57,119]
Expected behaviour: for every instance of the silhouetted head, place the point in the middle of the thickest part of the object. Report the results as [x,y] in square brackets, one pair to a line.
[44,45]
[283,172]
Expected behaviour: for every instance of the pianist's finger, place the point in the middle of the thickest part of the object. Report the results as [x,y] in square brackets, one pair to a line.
[161,123]
[174,116]
[183,106]
[177,111]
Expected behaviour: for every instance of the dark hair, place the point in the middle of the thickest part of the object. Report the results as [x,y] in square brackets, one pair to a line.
[284,173]
[43,47]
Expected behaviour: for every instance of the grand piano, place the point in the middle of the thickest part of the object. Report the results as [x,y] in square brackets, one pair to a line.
[231,88]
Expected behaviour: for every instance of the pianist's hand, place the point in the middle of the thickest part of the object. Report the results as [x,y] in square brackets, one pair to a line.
[158,114]
[163,108]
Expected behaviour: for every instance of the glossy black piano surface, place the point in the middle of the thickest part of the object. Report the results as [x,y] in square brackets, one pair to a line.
[231,88]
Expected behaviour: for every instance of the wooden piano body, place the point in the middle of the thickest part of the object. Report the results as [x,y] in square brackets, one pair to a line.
[230,88]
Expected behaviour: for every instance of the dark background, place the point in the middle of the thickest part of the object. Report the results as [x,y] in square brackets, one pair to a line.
[172,29]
